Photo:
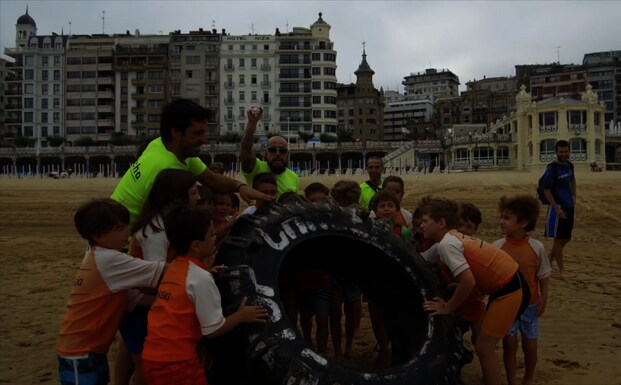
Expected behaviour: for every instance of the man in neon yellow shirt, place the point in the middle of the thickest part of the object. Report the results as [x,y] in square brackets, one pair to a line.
[375,169]
[276,158]
[183,130]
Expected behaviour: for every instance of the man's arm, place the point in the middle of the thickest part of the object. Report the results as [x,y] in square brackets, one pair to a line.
[247,156]
[224,184]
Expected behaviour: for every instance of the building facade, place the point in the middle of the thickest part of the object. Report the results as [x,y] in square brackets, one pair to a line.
[604,74]
[432,83]
[487,100]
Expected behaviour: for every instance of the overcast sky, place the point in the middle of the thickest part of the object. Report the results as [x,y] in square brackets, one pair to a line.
[471,38]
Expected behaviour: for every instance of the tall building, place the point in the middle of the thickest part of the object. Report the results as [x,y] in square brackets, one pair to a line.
[194,71]
[432,83]
[248,72]
[410,118]
[604,74]
[552,80]
[141,82]
[5,74]
[89,88]
[37,90]
[487,100]
[360,107]
[306,70]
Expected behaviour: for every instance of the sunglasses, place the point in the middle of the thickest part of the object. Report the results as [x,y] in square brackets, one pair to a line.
[277,150]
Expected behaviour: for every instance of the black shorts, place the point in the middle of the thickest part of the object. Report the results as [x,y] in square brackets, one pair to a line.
[558,228]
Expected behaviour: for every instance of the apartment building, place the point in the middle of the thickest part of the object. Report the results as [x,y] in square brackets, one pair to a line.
[488,99]
[551,80]
[604,74]
[34,92]
[89,88]
[5,74]
[247,65]
[194,60]
[432,83]
[306,75]
[141,82]
[409,119]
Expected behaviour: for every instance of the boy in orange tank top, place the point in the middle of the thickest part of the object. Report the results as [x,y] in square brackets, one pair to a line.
[518,216]
[475,264]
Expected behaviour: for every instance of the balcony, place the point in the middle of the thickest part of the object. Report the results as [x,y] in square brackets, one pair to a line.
[576,128]
[548,128]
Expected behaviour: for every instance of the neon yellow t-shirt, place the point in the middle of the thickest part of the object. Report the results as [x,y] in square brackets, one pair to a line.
[286,181]
[366,194]
[135,185]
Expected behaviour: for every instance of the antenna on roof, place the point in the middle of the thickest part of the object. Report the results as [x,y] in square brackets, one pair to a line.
[69,28]
[213,24]
[558,54]
[287,25]
[103,22]
[252,28]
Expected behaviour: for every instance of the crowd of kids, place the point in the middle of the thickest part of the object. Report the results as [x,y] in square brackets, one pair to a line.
[148,271]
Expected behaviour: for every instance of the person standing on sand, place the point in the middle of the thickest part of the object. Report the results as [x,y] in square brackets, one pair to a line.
[559,187]
[183,131]
[276,158]
[375,169]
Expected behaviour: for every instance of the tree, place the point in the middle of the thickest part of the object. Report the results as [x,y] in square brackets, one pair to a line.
[23,141]
[327,138]
[306,136]
[231,137]
[120,139]
[344,135]
[84,141]
[55,141]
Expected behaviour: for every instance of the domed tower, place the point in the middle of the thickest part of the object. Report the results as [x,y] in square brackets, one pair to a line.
[364,73]
[24,28]
[320,29]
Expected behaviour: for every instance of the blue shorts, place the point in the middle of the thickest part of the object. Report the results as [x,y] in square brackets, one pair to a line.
[90,370]
[527,324]
[133,329]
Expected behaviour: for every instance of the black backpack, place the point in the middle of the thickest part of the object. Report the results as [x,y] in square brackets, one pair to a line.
[540,195]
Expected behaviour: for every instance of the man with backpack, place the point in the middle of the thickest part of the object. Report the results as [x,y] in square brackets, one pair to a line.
[375,169]
[559,188]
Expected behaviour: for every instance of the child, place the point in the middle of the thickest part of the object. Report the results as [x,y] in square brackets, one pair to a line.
[473,308]
[475,263]
[149,242]
[188,302]
[222,219]
[346,193]
[395,183]
[469,219]
[421,244]
[518,216]
[266,183]
[208,199]
[100,292]
[386,206]
[314,288]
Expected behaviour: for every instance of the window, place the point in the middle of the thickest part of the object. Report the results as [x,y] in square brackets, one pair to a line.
[73,74]
[242,79]
[316,99]
[123,75]
[316,70]
[253,79]
[44,117]
[44,75]
[44,89]
[28,117]
[56,60]
[242,96]
[29,89]
[44,103]
[192,60]
[548,119]
[242,62]
[253,96]
[242,111]
[28,102]
[29,60]
[28,74]
[56,117]
[253,62]
[316,85]
[45,60]
[329,71]
[316,56]
[242,47]
[56,74]
[546,149]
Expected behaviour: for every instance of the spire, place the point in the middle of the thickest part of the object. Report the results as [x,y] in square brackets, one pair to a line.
[364,66]
[26,9]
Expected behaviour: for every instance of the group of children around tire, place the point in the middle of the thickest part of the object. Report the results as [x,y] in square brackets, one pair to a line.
[167,279]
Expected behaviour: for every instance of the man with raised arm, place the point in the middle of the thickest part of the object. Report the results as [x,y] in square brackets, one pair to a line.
[276,157]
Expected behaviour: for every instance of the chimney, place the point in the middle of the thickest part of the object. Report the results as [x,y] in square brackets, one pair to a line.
[137,32]
[223,32]
[214,31]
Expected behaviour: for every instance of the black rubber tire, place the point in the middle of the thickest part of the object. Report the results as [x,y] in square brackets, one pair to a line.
[298,235]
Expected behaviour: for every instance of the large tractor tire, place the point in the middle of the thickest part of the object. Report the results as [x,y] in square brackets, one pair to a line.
[300,235]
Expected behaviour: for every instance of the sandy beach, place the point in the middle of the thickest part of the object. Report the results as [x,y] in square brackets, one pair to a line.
[580,340]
